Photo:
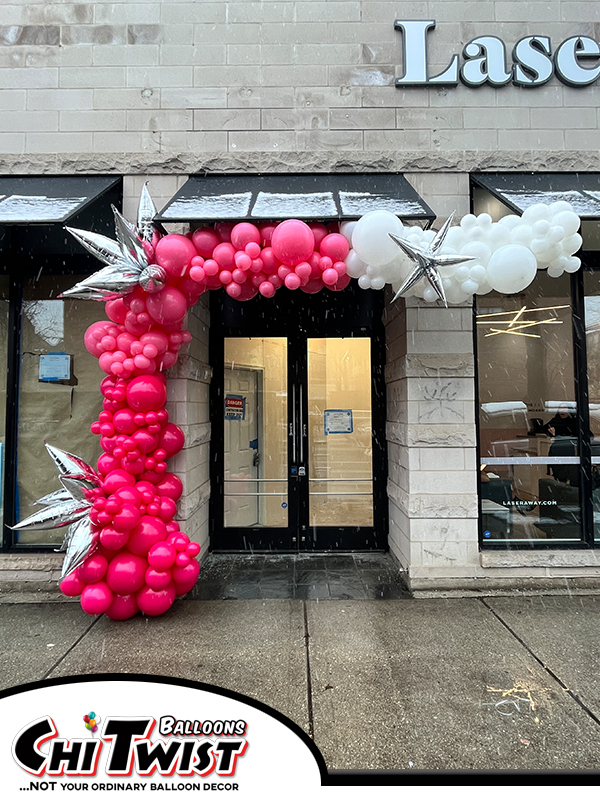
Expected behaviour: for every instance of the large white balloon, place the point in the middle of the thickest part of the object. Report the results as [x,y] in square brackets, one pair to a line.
[511,269]
[371,240]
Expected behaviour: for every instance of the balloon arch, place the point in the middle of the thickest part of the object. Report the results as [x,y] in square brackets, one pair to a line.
[124,551]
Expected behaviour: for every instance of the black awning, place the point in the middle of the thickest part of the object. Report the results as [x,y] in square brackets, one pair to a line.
[35,209]
[49,199]
[256,198]
[519,190]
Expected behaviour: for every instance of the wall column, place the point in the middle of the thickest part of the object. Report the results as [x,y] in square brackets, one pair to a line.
[431,435]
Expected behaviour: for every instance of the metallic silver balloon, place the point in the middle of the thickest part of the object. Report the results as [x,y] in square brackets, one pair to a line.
[70,465]
[153,278]
[126,261]
[55,516]
[80,544]
[78,487]
[53,497]
[428,261]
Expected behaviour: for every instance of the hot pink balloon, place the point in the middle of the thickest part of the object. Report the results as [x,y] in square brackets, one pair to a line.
[174,253]
[126,518]
[72,585]
[122,607]
[96,598]
[126,573]
[157,579]
[205,240]
[153,603]
[292,242]
[93,569]
[113,539]
[172,439]
[162,555]
[170,486]
[167,306]
[224,255]
[149,531]
[116,310]
[115,479]
[146,393]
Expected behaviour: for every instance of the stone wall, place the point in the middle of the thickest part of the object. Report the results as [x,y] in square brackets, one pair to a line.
[177,87]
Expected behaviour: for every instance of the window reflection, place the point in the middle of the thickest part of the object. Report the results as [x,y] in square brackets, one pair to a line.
[530,472]
[592,335]
[59,412]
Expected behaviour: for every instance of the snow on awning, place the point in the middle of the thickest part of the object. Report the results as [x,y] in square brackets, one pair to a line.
[255,198]
[519,190]
[49,199]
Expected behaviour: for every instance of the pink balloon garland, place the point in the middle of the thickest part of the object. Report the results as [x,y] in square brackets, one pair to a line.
[143,560]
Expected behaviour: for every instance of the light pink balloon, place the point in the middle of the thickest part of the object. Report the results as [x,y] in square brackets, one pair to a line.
[292,242]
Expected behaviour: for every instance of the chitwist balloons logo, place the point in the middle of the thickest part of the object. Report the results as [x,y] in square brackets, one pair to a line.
[138,735]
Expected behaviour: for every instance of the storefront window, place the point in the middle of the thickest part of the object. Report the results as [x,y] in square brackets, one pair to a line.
[592,335]
[4,289]
[58,411]
[528,423]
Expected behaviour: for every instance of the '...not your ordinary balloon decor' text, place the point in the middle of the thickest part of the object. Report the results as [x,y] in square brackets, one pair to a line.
[124,551]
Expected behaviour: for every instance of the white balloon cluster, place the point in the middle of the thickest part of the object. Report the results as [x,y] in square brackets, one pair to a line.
[507,253]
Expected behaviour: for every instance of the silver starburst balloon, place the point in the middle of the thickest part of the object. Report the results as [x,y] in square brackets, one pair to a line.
[428,261]
[67,506]
[125,260]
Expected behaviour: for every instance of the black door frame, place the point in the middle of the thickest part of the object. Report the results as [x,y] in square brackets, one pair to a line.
[352,313]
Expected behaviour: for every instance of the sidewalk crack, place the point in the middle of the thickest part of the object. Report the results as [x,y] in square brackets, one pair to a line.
[311,721]
[546,668]
[73,646]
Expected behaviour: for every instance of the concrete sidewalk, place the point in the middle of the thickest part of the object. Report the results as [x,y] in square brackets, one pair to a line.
[494,683]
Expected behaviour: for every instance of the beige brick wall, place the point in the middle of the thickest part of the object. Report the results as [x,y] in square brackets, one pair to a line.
[305,83]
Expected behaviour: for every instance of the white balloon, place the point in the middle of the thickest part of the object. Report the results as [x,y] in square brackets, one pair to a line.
[455,295]
[430,295]
[567,220]
[560,205]
[428,236]
[522,234]
[573,264]
[540,228]
[364,282]
[468,221]
[484,220]
[556,234]
[539,245]
[479,250]
[548,255]
[510,221]
[346,229]
[469,286]
[397,270]
[572,243]
[536,212]
[462,273]
[478,274]
[555,272]
[377,283]
[475,233]
[355,266]
[484,288]
[511,269]
[370,237]
[498,235]
[455,238]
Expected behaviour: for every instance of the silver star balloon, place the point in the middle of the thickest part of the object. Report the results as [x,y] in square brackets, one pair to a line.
[125,260]
[428,261]
[67,506]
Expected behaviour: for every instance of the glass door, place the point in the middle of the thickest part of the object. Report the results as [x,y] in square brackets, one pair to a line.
[296,454]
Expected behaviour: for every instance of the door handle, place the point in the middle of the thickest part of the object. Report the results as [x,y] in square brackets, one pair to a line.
[301,424]
[293,423]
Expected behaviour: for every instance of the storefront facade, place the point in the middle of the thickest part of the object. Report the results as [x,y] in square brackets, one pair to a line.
[442,452]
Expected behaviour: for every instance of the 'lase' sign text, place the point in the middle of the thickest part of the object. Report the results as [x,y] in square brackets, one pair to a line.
[576,61]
